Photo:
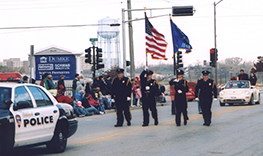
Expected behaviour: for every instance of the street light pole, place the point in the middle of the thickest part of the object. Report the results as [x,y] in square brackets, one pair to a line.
[132,69]
[215,38]
[123,41]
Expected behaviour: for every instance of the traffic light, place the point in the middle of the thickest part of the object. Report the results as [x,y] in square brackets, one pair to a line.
[179,61]
[88,55]
[213,55]
[182,11]
[128,63]
[99,58]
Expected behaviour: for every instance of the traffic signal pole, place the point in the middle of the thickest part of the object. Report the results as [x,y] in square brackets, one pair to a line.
[215,39]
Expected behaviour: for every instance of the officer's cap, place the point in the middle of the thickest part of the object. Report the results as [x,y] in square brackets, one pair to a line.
[180,72]
[149,72]
[205,72]
[25,78]
[120,70]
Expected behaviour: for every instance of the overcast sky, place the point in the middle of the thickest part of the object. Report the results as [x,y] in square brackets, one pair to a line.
[239,26]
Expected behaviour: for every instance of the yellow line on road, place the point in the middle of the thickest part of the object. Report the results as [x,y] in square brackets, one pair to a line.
[97,139]
[213,114]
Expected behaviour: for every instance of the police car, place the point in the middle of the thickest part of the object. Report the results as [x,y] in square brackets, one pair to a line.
[30,115]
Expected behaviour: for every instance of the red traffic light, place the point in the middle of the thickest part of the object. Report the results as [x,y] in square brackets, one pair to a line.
[212,50]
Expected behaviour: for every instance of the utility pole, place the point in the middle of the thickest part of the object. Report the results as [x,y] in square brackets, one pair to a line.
[123,41]
[31,62]
[132,68]
[215,38]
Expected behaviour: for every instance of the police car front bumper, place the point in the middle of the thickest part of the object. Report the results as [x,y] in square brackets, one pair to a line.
[73,125]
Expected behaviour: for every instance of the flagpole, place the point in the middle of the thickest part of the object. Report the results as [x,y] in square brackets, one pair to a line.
[146,51]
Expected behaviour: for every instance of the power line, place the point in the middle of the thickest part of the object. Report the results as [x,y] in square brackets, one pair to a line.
[45,5]
[60,26]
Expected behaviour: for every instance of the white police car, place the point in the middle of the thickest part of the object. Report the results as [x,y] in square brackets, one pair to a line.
[30,115]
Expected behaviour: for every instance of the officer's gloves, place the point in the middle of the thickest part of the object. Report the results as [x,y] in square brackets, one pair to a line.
[196,99]
[112,100]
[176,80]
[128,98]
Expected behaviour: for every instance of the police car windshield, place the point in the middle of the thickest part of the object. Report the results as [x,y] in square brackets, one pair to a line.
[237,84]
[5,93]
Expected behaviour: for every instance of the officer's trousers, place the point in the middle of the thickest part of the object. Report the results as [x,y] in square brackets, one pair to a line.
[206,104]
[149,103]
[173,108]
[122,107]
[179,110]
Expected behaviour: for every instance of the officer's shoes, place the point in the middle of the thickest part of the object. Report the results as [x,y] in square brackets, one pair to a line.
[117,125]
[144,125]
[155,122]
[206,124]
[128,123]
[185,122]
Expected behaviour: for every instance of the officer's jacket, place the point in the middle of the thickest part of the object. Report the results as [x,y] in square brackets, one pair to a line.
[207,88]
[181,88]
[121,87]
[149,88]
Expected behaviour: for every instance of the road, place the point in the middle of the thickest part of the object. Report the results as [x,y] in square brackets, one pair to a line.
[235,130]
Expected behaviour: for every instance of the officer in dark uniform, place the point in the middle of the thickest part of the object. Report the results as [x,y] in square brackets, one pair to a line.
[150,90]
[181,88]
[121,93]
[207,89]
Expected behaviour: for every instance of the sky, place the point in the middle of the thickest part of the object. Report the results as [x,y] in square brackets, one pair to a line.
[239,26]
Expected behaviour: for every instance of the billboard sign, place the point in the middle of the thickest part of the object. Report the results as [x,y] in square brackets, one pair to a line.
[55,65]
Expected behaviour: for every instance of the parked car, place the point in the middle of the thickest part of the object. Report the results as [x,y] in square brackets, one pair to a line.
[190,95]
[239,92]
[30,115]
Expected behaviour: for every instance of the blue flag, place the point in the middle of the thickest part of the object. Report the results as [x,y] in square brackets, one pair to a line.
[180,40]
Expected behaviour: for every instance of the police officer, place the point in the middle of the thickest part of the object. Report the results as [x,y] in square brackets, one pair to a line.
[181,88]
[121,93]
[150,90]
[207,89]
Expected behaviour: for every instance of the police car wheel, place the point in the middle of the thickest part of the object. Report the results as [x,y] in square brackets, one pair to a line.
[59,141]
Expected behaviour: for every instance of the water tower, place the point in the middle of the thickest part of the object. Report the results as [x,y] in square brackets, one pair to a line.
[109,41]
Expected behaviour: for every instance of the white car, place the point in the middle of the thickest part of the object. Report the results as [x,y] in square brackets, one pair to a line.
[30,115]
[239,92]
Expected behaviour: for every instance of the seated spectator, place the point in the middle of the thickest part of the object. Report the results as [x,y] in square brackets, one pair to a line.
[88,107]
[96,104]
[63,99]
[81,109]
[104,100]
[74,101]
[80,95]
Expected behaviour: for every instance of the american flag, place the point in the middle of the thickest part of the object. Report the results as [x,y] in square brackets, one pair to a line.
[155,41]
